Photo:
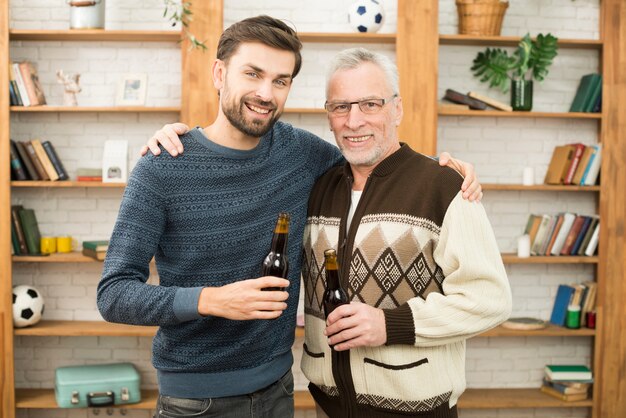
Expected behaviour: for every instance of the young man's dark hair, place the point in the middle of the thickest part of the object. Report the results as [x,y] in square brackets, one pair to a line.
[263,29]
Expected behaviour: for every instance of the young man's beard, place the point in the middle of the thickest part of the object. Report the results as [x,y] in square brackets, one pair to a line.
[255,127]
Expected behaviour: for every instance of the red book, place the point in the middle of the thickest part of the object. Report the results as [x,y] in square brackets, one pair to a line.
[578,153]
[573,234]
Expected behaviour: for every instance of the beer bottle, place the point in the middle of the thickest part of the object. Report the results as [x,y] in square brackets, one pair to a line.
[276,262]
[334,295]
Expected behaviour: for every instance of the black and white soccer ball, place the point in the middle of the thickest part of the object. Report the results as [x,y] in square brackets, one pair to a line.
[366,15]
[27,306]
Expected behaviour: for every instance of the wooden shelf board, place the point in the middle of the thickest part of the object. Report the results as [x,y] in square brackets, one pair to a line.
[95,109]
[549,331]
[304,110]
[540,187]
[471,399]
[85,329]
[108,329]
[68,184]
[513,41]
[94,35]
[348,37]
[73,257]
[510,258]
[498,113]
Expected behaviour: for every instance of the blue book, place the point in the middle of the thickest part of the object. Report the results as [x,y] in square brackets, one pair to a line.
[561,301]
[581,235]
[591,158]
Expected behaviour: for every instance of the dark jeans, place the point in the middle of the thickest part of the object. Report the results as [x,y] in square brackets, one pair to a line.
[274,401]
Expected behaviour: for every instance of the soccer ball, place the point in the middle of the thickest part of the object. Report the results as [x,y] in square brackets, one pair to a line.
[366,15]
[27,306]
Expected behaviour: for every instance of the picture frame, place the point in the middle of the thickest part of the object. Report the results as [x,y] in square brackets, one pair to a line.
[131,90]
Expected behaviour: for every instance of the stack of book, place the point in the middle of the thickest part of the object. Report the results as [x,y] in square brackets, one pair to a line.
[567,382]
[95,249]
[563,234]
[575,164]
[25,235]
[472,100]
[35,160]
[24,86]
[89,174]
[577,296]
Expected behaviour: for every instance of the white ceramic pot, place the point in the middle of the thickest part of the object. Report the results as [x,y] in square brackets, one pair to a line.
[86,14]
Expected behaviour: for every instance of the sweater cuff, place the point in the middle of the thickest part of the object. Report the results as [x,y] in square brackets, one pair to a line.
[186,303]
[400,326]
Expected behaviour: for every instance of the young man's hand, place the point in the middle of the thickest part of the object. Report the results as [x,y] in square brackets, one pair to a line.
[168,137]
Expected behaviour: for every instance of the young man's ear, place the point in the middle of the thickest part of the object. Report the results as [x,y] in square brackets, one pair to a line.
[219,73]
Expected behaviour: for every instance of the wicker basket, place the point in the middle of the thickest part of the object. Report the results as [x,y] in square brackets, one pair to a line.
[481,17]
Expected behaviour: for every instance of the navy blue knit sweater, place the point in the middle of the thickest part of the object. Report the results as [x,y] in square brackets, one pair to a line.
[207,217]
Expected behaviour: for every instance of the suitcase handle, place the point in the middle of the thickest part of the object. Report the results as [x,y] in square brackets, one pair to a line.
[106,398]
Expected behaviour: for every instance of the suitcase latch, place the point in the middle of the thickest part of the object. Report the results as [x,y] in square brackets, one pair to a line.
[125,395]
[75,400]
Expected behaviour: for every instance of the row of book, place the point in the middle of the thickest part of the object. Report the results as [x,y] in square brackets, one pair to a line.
[579,297]
[575,164]
[588,96]
[563,234]
[36,160]
[567,382]
[24,86]
[25,235]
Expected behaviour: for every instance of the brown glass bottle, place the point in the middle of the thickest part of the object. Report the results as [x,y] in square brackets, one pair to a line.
[276,262]
[334,295]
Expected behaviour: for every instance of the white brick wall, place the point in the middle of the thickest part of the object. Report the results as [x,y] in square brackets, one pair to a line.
[499,148]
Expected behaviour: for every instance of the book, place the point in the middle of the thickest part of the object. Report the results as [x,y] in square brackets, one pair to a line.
[97,255]
[45,161]
[578,153]
[567,372]
[564,397]
[595,94]
[594,221]
[31,81]
[13,84]
[568,220]
[41,173]
[490,101]
[21,87]
[548,235]
[582,165]
[581,235]
[590,177]
[534,227]
[572,235]
[31,230]
[19,231]
[30,169]
[561,302]
[586,87]
[88,178]
[593,242]
[567,388]
[535,248]
[456,97]
[96,245]
[54,159]
[559,164]
[17,169]
[555,233]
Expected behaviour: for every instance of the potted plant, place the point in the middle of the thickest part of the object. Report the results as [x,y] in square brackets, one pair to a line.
[180,12]
[530,61]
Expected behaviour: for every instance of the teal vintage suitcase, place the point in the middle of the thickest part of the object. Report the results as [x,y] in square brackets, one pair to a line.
[96,385]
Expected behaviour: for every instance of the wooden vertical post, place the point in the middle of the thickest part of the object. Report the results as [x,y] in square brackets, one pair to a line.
[199,97]
[7,392]
[610,391]
[417,54]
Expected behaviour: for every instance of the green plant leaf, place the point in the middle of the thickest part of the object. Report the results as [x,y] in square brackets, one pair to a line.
[492,66]
[542,54]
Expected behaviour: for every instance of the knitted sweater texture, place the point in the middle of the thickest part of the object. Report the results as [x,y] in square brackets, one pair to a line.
[429,260]
[207,217]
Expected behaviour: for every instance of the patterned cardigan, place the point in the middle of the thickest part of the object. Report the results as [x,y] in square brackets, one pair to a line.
[425,256]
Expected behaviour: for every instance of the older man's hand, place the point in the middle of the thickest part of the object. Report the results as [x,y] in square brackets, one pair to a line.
[356,325]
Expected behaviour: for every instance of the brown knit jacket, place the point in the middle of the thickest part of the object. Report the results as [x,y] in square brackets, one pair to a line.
[425,256]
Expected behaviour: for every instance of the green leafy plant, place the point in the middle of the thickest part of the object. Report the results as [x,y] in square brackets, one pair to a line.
[180,12]
[531,60]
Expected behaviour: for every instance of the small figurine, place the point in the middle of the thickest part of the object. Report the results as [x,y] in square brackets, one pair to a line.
[70,83]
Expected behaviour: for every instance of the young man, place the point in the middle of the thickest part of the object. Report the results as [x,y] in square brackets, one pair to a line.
[223,347]
[420,264]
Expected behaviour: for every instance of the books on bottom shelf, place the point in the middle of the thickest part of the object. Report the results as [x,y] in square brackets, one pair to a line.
[563,234]
[575,297]
[567,382]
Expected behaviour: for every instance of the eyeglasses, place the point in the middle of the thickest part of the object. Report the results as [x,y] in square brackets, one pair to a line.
[367,106]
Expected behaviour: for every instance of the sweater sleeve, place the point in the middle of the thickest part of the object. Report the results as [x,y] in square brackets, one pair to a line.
[476,294]
[123,295]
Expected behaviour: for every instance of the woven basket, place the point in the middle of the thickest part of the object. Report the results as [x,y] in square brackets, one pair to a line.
[481,17]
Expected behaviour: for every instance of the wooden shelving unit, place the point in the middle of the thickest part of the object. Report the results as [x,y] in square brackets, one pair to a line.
[95,109]
[501,114]
[348,37]
[499,41]
[540,188]
[73,257]
[509,258]
[94,35]
[68,184]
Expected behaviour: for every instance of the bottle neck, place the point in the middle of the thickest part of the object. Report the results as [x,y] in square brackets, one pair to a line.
[279,242]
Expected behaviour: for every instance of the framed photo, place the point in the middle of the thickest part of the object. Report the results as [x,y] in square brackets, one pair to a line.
[132,90]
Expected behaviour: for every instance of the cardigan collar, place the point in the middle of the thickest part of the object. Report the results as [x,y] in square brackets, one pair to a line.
[386,166]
